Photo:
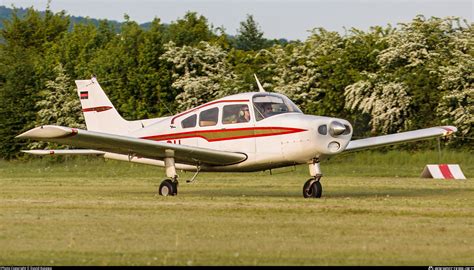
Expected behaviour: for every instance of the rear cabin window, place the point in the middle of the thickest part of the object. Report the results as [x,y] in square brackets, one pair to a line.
[208,117]
[189,122]
[238,113]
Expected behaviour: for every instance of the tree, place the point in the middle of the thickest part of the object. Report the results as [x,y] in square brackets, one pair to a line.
[25,40]
[312,73]
[249,36]
[200,73]
[420,69]
[117,66]
[414,56]
[456,106]
[190,30]
[387,102]
[17,97]
[128,67]
[58,105]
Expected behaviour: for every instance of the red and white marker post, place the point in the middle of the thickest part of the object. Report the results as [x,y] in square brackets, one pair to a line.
[443,171]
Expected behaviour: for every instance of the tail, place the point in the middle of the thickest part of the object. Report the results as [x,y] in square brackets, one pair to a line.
[99,113]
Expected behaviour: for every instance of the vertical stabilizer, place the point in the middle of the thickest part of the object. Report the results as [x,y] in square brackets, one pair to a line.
[99,113]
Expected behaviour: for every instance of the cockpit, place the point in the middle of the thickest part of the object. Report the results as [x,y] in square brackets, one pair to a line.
[267,105]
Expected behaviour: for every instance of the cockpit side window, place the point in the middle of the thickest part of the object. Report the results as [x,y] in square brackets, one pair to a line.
[209,117]
[267,105]
[236,113]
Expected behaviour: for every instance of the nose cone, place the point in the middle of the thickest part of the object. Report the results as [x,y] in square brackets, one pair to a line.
[336,128]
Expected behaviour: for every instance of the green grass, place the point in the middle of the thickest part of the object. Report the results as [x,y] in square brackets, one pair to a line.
[374,211]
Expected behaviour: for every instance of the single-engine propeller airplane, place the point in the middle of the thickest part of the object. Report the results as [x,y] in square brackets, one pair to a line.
[240,133]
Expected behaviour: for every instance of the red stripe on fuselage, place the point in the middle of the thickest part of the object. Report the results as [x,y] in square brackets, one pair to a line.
[233,136]
[207,104]
[97,109]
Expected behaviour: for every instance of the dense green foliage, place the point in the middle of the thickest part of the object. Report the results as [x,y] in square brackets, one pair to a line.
[382,80]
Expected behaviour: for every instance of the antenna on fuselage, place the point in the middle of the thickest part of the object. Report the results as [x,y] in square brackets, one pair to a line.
[260,87]
[164,104]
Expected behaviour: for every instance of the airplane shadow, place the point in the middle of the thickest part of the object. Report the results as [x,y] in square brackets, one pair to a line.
[354,193]
[418,192]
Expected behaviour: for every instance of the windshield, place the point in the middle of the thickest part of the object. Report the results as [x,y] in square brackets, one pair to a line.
[267,105]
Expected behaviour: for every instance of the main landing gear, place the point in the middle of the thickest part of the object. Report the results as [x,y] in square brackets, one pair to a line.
[169,187]
[313,188]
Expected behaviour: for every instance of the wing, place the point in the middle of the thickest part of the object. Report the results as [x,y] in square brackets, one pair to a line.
[415,135]
[132,146]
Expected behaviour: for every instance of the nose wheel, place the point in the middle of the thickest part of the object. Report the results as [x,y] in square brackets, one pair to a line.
[312,188]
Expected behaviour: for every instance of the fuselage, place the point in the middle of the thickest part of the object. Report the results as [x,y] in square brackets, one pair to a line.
[279,137]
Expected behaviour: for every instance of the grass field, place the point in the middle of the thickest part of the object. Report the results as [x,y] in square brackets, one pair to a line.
[375,210]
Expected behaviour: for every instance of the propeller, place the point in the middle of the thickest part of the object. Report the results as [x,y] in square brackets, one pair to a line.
[336,128]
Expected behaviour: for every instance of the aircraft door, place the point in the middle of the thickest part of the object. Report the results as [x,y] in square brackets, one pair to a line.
[237,129]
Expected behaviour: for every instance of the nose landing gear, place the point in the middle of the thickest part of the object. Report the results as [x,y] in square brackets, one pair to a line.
[313,188]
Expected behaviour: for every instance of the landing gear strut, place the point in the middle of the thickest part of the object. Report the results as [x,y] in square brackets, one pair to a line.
[169,187]
[313,188]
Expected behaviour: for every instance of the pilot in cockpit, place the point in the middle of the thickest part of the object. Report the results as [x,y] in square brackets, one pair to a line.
[244,115]
[267,109]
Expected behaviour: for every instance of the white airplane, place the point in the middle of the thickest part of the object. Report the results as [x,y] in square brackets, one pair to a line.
[245,132]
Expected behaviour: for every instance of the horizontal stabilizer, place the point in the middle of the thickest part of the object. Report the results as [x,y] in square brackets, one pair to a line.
[415,135]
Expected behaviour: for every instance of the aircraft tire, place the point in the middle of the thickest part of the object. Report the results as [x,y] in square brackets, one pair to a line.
[319,189]
[175,187]
[312,189]
[167,188]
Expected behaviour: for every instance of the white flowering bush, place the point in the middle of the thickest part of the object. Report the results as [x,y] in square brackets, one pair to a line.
[297,69]
[201,73]
[59,105]
[419,42]
[421,56]
[386,102]
[457,103]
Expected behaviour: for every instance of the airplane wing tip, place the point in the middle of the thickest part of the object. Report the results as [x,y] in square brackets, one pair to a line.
[43,132]
[37,152]
[449,130]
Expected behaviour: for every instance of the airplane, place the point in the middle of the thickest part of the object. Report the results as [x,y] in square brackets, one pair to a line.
[246,132]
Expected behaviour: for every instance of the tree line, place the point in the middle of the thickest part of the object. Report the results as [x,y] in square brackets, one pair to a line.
[386,79]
